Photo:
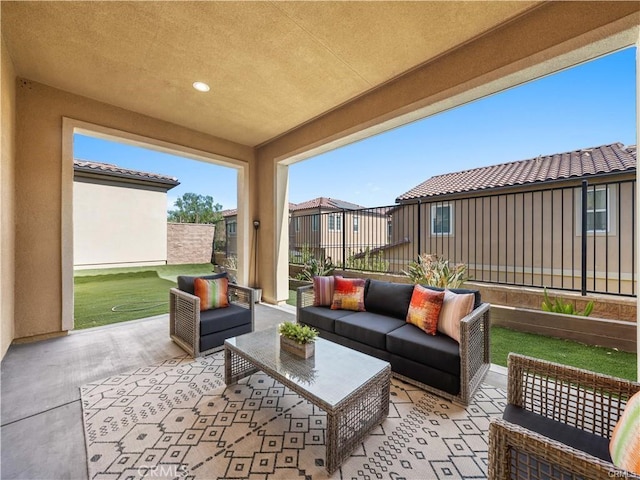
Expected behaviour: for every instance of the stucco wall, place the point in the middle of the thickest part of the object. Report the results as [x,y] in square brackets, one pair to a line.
[39,187]
[189,243]
[118,225]
[7,203]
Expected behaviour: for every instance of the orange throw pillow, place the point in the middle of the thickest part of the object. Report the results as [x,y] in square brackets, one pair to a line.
[212,293]
[424,309]
[348,294]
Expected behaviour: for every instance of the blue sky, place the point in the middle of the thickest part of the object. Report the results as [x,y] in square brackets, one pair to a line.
[586,106]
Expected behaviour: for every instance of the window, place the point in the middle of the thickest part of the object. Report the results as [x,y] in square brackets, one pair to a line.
[335,222]
[231,227]
[441,219]
[356,225]
[315,222]
[389,229]
[597,211]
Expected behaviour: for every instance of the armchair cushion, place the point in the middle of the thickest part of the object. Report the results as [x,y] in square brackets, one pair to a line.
[185,283]
[213,293]
[561,432]
[625,440]
[220,319]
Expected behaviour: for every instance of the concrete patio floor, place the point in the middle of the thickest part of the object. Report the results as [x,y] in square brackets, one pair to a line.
[41,433]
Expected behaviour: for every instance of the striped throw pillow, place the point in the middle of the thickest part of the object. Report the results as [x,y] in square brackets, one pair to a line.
[625,440]
[424,309]
[323,291]
[455,307]
[212,293]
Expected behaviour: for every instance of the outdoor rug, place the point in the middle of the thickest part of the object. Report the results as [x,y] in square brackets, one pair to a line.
[178,420]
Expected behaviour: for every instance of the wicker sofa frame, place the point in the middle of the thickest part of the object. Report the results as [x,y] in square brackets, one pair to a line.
[586,400]
[475,358]
[184,317]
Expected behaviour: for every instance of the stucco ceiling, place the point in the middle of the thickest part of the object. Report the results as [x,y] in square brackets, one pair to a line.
[271,66]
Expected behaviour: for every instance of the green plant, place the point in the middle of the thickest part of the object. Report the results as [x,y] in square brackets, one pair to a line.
[298,332]
[231,263]
[314,267]
[436,271]
[560,306]
[371,262]
[301,256]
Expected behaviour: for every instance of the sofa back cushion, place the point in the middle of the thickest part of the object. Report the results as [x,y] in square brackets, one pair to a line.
[386,298]
[185,283]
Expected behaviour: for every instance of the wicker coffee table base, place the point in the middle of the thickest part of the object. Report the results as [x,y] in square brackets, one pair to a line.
[348,423]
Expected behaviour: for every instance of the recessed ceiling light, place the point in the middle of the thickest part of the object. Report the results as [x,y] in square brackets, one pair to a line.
[201,86]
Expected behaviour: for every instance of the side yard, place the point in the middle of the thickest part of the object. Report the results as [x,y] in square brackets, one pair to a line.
[106,296]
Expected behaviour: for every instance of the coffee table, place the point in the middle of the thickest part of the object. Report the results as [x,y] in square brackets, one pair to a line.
[351,387]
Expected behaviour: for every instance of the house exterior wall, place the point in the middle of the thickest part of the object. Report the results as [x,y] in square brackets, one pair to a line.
[371,232]
[528,237]
[189,243]
[39,186]
[7,200]
[118,224]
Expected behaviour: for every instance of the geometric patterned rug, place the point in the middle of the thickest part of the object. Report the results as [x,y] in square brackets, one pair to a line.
[178,420]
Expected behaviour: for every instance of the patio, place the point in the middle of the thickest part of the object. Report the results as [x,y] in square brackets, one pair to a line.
[42,434]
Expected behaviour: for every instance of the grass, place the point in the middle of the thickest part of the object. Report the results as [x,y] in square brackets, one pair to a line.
[103,297]
[597,359]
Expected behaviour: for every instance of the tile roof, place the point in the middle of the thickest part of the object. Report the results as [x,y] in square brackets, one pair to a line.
[585,162]
[325,202]
[115,171]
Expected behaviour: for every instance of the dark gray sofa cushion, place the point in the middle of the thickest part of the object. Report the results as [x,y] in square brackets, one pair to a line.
[217,339]
[477,297]
[185,283]
[366,327]
[438,351]
[322,317]
[574,437]
[220,319]
[387,298]
[426,374]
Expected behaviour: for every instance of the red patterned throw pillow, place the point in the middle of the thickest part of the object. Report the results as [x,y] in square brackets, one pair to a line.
[323,291]
[424,309]
[348,294]
[212,293]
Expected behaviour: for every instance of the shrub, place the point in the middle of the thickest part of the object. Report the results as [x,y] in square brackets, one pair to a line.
[314,267]
[560,306]
[367,261]
[436,271]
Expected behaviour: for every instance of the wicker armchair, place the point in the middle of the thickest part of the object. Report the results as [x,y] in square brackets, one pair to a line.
[201,333]
[574,406]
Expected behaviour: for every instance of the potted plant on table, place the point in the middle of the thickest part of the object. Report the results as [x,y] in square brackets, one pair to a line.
[297,339]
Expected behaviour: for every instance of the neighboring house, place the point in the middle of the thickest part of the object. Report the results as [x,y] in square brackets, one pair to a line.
[335,228]
[119,216]
[521,222]
[230,231]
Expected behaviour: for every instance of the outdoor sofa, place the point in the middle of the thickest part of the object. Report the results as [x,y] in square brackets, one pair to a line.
[436,363]
[558,423]
[200,333]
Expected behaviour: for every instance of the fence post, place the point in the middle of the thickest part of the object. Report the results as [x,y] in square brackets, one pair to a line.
[344,240]
[419,227]
[583,268]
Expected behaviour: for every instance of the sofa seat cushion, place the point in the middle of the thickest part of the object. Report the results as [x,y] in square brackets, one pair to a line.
[386,298]
[561,432]
[321,317]
[220,319]
[438,351]
[368,328]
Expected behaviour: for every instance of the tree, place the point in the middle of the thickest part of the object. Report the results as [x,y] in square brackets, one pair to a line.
[194,208]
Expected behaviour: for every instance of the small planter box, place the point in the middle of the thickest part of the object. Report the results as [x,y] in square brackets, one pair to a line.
[303,350]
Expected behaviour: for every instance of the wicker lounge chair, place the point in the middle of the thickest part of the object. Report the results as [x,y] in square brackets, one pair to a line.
[200,333]
[557,423]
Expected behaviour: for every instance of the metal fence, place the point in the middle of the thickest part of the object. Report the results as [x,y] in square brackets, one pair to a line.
[579,238]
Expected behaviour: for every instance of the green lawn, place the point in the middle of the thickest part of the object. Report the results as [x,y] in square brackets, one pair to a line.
[597,359]
[103,297]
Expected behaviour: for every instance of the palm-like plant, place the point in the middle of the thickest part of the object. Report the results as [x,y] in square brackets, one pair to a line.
[436,271]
